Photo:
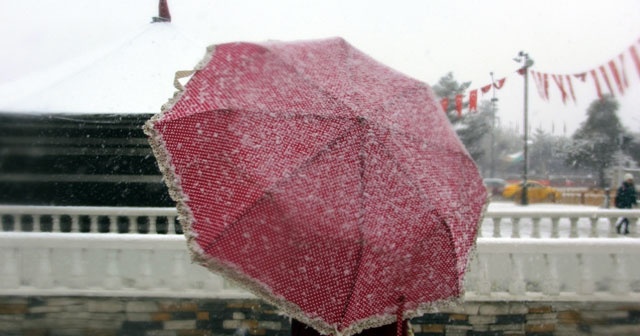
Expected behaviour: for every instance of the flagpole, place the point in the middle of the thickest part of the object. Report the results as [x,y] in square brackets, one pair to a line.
[527,62]
[493,122]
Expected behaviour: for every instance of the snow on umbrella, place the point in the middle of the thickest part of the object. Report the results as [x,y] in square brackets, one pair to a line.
[321,180]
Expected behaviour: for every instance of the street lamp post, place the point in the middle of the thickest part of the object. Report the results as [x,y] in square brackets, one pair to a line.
[526,63]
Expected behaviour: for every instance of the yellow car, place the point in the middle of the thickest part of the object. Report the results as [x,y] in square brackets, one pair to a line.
[536,192]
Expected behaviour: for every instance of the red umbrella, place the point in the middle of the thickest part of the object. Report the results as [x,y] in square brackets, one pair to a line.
[323,181]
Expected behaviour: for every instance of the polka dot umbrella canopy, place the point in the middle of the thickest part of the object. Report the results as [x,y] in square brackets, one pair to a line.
[326,183]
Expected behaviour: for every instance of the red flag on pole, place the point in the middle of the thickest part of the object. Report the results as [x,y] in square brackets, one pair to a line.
[485,88]
[616,76]
[635,57]
[473,100]
[445,104]
[498,85]
[537,79]
[625,82]
[573,95]
[560,84]
[597,83]
[603,71]
[459,105]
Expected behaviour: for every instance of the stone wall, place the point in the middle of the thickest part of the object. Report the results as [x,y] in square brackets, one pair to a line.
[175,317]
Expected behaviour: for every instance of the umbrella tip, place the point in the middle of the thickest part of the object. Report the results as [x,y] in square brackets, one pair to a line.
[163,12]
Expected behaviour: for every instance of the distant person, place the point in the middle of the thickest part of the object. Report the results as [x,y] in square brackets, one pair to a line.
[625,199]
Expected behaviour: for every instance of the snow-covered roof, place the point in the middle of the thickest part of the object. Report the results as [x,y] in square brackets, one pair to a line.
[135,76]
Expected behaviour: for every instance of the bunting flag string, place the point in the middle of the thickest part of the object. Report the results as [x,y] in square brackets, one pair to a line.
[607,78]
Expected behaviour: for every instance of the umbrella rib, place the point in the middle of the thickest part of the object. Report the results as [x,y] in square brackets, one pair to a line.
[360,228]
[410,178]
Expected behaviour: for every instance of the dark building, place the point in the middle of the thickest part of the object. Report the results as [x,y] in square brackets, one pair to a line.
[78,159]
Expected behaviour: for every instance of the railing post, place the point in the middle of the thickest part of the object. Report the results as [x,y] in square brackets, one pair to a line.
[78,273]
[44,276]
[517,285]
[620,283]
[586,286]
[112,278]
[551,285]
[178,272]
[483,284]
[146,276]
[10,277]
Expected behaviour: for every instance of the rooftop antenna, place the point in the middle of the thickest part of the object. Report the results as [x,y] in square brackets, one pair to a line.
[163,12]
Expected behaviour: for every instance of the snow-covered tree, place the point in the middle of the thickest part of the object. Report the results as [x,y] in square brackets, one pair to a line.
[596,142]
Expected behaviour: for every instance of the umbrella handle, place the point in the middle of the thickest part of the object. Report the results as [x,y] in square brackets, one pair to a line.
[399,317]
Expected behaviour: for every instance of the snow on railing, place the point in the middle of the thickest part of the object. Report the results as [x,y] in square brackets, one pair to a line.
[104,264]
[498,223]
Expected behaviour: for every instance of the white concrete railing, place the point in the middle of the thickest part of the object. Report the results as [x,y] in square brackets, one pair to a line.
[97,264]
[498,223]
[551,223]
[73,219]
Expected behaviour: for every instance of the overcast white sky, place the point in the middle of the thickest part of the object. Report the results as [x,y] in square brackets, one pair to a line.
[424,39]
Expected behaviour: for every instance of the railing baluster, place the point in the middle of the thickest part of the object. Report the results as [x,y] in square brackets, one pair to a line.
[36,223]
[56,223]
[152,224]
[612,227]
[134,227]
[172,224]
[555,227]
[535,232]
[515,230]
[94,224]
[496,228]
[75,223]
[573,231]
[593,224]
[17,226]
[113,224]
